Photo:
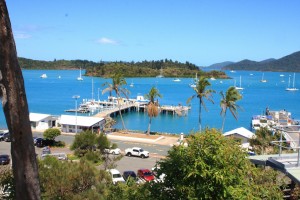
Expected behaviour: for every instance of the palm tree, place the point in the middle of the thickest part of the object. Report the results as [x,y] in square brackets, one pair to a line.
[117,86]
[228,101]
[152,107]
[202,93]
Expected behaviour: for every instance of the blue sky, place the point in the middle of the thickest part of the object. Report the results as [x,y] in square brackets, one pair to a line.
[201,32]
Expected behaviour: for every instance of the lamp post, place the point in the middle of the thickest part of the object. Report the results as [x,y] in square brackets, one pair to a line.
[76,97]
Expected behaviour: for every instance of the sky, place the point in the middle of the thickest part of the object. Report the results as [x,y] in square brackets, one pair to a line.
[202,32]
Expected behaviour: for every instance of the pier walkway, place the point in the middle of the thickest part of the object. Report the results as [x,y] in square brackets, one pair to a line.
[137,106]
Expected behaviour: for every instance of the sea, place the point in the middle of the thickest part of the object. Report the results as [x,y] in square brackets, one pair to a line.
[53,95]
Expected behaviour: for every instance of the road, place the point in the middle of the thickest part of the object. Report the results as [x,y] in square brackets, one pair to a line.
[126,163]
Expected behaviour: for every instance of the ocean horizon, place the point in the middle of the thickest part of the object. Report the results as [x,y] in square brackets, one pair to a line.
[53,95]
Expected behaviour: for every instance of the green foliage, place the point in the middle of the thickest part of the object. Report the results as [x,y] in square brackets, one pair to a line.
[70,180]
[262,142]
[84,142]
[210,167]
[103,143]
[202,92]
[51,133]
[228,101]
[7,184]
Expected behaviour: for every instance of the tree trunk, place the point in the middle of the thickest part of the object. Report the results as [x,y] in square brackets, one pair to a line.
[16,112]
[223,123]
[200,121]
[149,125]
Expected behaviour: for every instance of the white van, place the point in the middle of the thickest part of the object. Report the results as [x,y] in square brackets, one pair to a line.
[116,176]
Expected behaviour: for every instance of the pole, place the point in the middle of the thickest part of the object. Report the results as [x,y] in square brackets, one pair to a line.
[98,94]
[76,97]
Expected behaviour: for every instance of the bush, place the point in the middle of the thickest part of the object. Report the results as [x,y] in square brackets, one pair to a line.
[51,133]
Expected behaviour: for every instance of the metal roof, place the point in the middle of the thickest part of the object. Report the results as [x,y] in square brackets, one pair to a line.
[240,131]
[81,120]
[36,117]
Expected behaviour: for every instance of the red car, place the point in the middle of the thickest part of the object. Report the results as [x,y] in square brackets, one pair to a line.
[145,174]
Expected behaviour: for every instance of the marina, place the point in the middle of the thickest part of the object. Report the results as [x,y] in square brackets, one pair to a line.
[54,96]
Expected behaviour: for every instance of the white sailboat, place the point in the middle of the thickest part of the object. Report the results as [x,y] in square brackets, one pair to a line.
[236,87]
[262,79]
[176,80]
[194,82]
[79,78]
[43,76]
[291,88]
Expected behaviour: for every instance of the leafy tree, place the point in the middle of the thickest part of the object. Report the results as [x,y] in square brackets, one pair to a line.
[202,93]
[71,180]
[15,107]
[228,101]
[84,142]
[261,143]
[51,133]
[212,167]
[117,86]
[152,107]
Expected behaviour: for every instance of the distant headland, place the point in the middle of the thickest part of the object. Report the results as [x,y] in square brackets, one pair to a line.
[289,63]
[162,68]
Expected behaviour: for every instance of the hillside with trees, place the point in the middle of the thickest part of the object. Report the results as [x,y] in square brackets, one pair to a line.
[289,63]
[167,68]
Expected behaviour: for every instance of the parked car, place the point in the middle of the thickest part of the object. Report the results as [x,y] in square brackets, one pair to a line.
[59,156]
[1,136]
[129,174]
[136,151]
[145,174]
[6,137]
[115,151]
[41,142]
[4,159]
[116,176]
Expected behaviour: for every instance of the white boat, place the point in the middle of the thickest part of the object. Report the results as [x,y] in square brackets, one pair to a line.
[281,75]
[43,76]
[160,74]
[194,82]
[212,78]
[238,88]
[262,79]
[176,80]
[131,84]
[232,71]
[193,85]
[79,78]
[59,77]
[291,89]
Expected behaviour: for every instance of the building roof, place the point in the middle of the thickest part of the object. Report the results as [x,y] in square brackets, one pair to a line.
[36,117]
[240,131]
[81,120]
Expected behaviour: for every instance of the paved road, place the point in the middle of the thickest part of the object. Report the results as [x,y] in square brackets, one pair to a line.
[126,163]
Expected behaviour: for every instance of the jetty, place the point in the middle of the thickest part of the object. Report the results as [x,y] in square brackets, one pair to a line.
[112,105]
[142,107]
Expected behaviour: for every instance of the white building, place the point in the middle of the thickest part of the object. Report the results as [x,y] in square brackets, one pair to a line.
[42,121]
[69,122]
[241,133]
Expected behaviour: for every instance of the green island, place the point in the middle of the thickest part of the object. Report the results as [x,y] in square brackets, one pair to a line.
[166,68]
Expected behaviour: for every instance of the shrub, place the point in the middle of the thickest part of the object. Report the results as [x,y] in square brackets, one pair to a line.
[51,133]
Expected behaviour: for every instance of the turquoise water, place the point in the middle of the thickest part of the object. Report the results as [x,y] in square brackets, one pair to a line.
[53,96]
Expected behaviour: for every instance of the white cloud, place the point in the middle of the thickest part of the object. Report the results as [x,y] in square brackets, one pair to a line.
[105,40]
[21,35]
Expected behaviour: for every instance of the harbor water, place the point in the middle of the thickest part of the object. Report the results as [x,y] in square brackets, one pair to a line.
[53,95]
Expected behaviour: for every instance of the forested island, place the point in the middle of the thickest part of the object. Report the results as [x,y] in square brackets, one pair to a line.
[166,68]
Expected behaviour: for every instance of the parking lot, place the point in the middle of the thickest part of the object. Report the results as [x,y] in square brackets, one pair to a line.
[126,163]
